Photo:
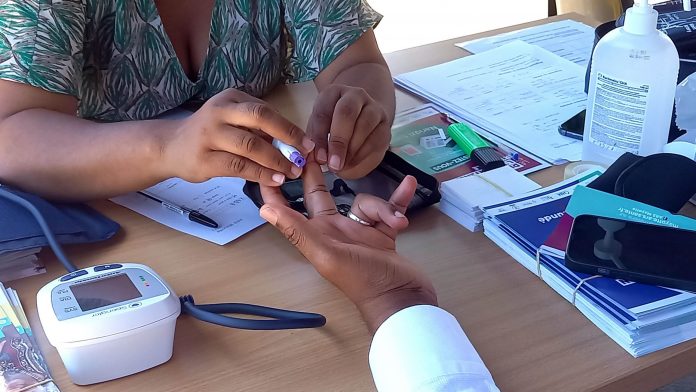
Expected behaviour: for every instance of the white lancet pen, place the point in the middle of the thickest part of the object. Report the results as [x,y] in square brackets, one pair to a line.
[290,152]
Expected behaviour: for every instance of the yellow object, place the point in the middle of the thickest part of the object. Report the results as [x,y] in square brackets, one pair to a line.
[599,10]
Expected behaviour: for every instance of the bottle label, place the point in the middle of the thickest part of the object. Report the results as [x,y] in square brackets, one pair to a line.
[618,113]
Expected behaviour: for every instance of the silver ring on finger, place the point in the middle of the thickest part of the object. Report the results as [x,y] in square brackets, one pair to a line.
[356,218]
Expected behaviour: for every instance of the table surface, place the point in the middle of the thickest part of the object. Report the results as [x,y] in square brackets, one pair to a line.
[529,337]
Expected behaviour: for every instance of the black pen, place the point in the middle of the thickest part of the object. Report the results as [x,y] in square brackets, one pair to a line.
[192,215]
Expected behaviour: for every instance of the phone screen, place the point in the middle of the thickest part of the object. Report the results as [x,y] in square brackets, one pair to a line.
[574,127]
[633,247]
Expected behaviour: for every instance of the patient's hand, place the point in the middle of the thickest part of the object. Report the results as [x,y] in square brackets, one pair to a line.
[360,260]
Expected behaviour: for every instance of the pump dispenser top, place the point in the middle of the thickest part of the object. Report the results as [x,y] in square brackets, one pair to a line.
[641,19]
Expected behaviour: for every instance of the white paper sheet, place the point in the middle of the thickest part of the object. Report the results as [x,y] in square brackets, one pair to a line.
[486,188]
[220,199]
[519,92]
[566,38]
[463,196]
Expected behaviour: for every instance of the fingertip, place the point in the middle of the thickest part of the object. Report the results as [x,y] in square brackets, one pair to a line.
[269,214]
[401,226]
[399,217]
[335,162]
[278,179]
[404,224]
[397,223]
[311,160]
[404,192]
[321,155]
[308,145]
[312,169]
[296,171]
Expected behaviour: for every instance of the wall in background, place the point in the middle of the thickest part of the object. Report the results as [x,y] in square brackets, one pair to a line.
[409,23]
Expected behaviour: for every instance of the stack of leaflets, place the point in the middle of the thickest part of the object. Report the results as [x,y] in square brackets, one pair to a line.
[22,367]
[534,230]
[463,197]
[20,264]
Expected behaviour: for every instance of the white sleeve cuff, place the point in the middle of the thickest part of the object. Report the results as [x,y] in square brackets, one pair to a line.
[423,348]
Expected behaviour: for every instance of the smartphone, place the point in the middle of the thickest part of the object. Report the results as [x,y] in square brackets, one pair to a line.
[574,127]
[639,252]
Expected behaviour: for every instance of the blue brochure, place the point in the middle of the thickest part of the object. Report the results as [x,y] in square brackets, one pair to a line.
[641,318]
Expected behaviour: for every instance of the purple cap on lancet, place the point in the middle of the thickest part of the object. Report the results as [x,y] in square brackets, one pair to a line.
[297,159]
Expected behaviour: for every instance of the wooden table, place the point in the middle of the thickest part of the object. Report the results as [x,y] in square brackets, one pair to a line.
[530,338]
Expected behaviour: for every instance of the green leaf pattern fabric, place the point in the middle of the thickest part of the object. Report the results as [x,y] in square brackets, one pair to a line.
[116,59]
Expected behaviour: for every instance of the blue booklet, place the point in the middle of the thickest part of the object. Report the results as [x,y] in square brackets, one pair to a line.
[635,299]
[529,221]
[630,313]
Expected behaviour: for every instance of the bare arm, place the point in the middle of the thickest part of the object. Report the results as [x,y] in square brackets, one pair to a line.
[46,149]
[362,65]
[356,105]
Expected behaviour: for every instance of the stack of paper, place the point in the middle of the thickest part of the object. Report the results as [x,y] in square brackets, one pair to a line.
[640,318]
[20,264]
[463,197]
[569,39]
[23,367]
[518,92]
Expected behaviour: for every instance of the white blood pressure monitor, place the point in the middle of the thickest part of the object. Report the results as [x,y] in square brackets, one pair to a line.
[109,321]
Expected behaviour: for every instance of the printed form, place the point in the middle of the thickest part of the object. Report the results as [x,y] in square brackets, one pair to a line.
[220,198]
[518,92]
[566,38]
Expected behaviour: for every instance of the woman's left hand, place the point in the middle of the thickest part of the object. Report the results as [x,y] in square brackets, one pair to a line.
[351,130]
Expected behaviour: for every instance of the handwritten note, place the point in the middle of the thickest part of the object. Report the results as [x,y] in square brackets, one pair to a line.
[220,199]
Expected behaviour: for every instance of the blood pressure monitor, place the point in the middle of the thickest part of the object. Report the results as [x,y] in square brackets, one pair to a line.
[113,320]
[109,321]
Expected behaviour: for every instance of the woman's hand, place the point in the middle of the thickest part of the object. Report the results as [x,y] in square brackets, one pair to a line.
[351,130]
[230,136]
[360,260]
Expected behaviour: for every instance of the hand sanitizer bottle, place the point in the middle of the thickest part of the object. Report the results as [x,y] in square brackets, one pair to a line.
[631,93]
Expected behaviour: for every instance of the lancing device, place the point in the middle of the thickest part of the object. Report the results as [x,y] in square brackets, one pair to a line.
[471,143]
[290,153]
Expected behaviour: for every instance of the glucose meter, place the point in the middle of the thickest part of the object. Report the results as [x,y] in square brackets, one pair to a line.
[109,321]
[113,320]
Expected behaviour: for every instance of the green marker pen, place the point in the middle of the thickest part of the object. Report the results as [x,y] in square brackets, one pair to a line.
[471,143]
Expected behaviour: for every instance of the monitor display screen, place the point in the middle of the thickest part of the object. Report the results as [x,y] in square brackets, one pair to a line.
[105,292]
